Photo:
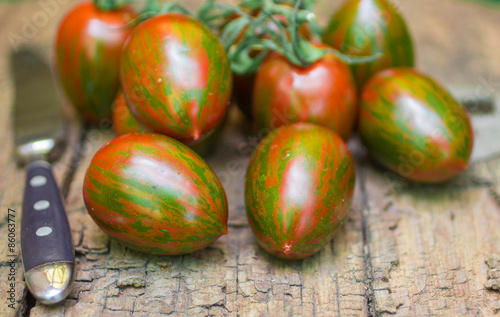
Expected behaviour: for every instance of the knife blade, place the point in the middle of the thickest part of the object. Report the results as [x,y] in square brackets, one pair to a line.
[39,138]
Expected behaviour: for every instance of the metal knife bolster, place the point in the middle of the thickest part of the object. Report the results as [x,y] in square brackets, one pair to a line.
[46,245]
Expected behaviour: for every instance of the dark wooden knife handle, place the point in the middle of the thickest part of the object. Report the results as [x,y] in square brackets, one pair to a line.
[45,231]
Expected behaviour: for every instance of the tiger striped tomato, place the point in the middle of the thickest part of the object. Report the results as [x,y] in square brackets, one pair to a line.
[298,190]
[155,195]
[176,76]
[323,93]
[368,27]
[123,121]
[414,127]
[88,46]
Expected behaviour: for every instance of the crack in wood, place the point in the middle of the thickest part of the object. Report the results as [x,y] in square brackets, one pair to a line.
[238,269]
[338,292]
[337,289]
[314,302]
[186,301]
[494,195]
[370,295]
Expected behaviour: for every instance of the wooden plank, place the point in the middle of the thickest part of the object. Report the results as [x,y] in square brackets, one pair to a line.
[428,246]
[233,276]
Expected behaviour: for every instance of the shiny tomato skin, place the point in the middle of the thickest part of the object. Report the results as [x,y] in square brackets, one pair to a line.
[368,27]
[299,187]
[88,46]
[155,195]
[176,77]
[414,127]
[323,93]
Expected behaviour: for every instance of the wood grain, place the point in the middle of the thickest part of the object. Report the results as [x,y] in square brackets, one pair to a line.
[407,250]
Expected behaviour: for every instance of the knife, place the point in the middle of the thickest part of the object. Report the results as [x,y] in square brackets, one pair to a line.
[39,132]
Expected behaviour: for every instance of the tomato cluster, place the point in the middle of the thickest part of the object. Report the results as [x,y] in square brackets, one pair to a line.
[171,77]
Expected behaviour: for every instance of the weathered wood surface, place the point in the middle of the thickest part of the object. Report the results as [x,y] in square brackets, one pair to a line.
[408,250]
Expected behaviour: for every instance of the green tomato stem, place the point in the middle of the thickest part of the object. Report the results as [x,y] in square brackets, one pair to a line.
[153,8]
[248,39]
[108,5]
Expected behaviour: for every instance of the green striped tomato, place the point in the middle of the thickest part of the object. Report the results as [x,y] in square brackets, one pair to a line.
[155,195]
[414,127]
[367,27]
[88,46]
[298,190]
[176,76]
[323,93]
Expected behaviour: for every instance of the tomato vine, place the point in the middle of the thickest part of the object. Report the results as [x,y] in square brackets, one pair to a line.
[248,38]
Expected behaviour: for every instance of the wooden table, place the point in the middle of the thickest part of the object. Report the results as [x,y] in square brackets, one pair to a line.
[406,249]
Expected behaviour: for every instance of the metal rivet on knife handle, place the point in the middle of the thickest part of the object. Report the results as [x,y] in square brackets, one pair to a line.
[41,205]
[43,231]
[38,181]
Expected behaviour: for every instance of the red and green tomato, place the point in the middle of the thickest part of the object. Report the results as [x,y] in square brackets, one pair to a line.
[323,93]
[176,77]
[414,127]
[155,195]
[370,27]
[88,46]
[299,187]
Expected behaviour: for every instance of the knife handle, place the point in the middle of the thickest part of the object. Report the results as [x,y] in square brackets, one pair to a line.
[47,249]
